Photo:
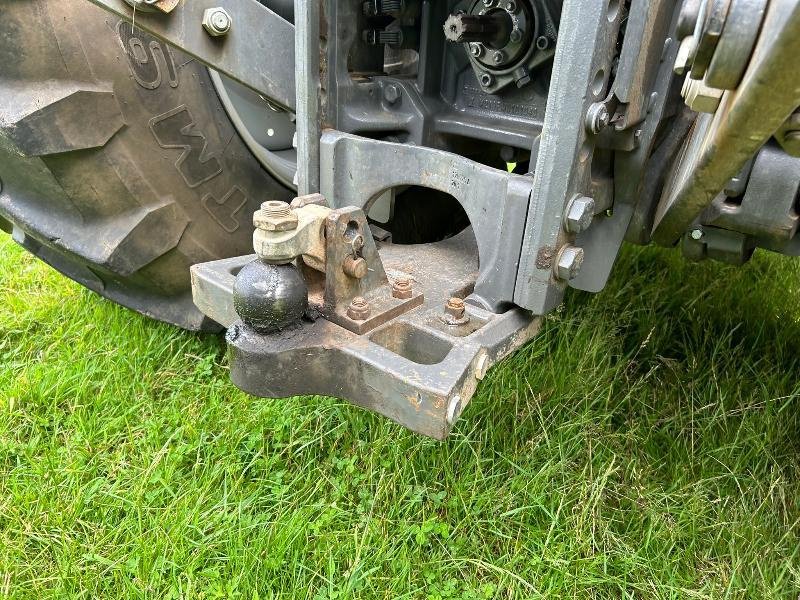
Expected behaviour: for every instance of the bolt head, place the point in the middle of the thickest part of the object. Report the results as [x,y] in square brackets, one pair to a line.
[392,93]
[476,49]
[515,35]
[217,21]
[579,214]
[498,57]
[488,3]
[486,80]
[696,234]
[568,262]
[511,6]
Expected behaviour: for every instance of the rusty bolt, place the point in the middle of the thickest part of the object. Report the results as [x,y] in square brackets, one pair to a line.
[401,288]
[454,307]
[454,312]
[355,266]
[275,215]
[358,309]
[217,21]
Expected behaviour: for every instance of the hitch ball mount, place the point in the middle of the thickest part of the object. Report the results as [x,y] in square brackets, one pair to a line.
[322,308]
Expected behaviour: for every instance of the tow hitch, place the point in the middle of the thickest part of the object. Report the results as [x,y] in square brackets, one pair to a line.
[322,308]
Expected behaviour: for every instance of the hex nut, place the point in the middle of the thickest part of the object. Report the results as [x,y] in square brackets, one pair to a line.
[401,288]
[568,262]
[359,309]
[275,215]
[454,312]
[579,214]
[216,21]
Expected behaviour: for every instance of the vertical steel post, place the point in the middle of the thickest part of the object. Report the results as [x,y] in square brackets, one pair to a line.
[306,49]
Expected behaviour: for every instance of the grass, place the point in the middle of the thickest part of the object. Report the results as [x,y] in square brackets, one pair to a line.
[645,445]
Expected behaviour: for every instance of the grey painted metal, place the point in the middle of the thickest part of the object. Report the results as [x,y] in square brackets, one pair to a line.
[747,117]
[563,167]
[766,212]
[636,172]
[308,119]
[355,171]
[415,369]
[258,51]
[736,43]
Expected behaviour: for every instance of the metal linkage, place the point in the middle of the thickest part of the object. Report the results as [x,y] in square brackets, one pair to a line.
[256,49]
[746,118]
[587,40]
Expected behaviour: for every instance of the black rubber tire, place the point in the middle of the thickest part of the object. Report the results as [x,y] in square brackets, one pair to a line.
[118,165]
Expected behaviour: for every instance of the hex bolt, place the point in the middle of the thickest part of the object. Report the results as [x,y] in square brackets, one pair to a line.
[568,262]
[487,80]
[597,117]
[275,215]
[579,214]
[511,6]
[476,50]
[455,307]
[402,288]
[498,57]
[696,234]
[392,93]
[359,309]
[355,267]
[217,21]
[515,35]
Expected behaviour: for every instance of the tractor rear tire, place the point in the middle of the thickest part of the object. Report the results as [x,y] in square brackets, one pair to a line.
[118,164]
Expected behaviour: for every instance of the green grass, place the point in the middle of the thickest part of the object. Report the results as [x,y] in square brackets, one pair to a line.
[645,445]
